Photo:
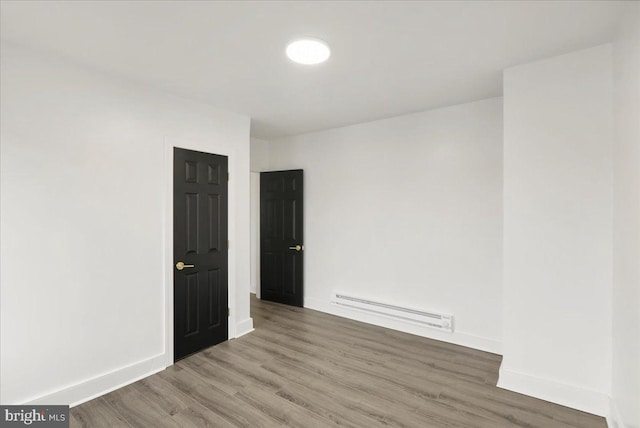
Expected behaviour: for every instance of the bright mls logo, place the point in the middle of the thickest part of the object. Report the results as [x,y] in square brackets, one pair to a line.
[36,416]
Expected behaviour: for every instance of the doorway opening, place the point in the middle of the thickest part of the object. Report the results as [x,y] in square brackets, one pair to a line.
[282,237]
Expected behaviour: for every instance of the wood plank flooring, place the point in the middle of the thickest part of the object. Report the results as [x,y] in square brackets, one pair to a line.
[303,368]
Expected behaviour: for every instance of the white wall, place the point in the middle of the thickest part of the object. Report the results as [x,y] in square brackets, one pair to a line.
[407,211]
[259,162]
[259,155]
[83,201]
[626,222]
[255,233]
[557,229]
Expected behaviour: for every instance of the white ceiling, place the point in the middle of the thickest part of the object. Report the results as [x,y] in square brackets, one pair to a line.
[388,58]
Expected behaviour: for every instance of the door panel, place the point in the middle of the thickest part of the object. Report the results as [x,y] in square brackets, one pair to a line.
[281,236]
[289,274]
[289,221]
[200,242]
[191,224]
[214,223]
[214,298]
[191,304]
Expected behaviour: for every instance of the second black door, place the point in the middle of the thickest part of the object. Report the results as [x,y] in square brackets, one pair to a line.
[281,237]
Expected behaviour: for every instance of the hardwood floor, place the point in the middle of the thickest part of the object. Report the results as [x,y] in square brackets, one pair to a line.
[303,368]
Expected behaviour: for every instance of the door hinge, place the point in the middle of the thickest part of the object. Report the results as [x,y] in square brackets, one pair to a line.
[228,312]
[228,244]
[228,176]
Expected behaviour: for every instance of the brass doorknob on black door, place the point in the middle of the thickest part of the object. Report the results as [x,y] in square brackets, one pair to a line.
[181,265]
[297,248]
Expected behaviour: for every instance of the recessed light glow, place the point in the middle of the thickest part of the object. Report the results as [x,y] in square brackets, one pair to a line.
[308,51]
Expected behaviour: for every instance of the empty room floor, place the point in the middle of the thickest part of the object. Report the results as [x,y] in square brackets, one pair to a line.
[305,368]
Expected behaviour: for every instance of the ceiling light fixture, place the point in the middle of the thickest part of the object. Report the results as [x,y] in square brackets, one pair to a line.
[308,51]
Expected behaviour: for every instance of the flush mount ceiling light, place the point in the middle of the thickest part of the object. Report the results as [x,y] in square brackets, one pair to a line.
[308,51]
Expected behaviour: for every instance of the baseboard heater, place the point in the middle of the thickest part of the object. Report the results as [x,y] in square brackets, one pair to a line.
[442,322]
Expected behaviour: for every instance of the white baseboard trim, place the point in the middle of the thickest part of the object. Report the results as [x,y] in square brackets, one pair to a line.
[573,396]
[244,327]
[102,384]
[94,387]
[614,419]
[458,337]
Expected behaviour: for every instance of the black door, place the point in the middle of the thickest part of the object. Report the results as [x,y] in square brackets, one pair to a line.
[281,240]
[200,288]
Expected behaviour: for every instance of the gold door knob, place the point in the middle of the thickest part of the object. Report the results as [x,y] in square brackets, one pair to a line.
[181,265]
[297,248]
